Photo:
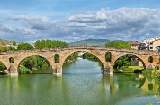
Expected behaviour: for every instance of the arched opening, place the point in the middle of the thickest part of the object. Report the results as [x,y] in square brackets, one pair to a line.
[56,58]
[11,60]
[82,62]
[34,64]
[2,68]
[108,57]
[129,63]
[150,59]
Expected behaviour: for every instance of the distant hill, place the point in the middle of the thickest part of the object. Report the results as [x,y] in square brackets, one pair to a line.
[6,42]
[2,41]
[89,42]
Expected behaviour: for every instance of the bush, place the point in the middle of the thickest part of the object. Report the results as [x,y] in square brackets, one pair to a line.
[24,70]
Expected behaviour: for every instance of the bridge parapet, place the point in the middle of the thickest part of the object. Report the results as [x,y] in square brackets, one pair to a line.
[82,47]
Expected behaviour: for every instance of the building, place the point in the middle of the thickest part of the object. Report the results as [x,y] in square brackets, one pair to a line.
[152,44]
[134,44]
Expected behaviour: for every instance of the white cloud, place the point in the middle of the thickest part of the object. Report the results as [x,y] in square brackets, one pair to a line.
[123,24]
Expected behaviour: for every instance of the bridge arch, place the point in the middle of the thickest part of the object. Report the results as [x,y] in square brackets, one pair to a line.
[95,53]
[24,57]
[139,57]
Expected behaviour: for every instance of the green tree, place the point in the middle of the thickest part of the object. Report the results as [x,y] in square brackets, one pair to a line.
[34,62]
[108,57]
[24,46]
[2,66]
[38,45]
[14,43]
[123,61]
[41,44]
[48,44]
[118,44]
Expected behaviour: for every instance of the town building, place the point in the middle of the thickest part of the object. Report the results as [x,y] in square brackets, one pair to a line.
[134,44]
[152,44]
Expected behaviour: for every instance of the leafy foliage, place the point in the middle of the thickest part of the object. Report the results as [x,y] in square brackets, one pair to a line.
[34,62]
[2,66]
[41,44]
[5,49]
[56,58]
[122,61]
[24,70]
[14,43]
[72,57]
[108,57]
[24,46]
[91,56]
[118,44]
[11,60]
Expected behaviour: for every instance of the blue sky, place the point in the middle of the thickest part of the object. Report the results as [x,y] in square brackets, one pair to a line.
[71,20]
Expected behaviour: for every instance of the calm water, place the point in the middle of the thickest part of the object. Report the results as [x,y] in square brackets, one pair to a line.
[81,84]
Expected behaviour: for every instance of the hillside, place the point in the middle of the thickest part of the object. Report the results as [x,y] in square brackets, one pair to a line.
[4,42]
[89,42]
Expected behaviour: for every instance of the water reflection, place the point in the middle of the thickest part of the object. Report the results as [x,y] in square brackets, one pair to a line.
[149,85]
[90,87]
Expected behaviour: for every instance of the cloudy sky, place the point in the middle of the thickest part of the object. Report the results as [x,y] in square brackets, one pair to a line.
[71,20]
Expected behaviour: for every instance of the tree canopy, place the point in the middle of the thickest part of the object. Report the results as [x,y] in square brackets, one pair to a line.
[118,44]
[24,46]
[40,44]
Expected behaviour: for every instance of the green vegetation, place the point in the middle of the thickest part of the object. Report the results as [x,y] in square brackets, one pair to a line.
[5,42]
[11,60]
[6,49]
[118,44]
[34,62]
[72,57]
[122,61]
[2,67]
[24,70]
[14,43]
[24,46]
[56,58]
[108,57]
[91,57]
[136,67]
[41,44]
[151,73]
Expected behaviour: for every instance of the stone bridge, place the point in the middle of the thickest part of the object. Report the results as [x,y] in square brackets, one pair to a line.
[63,53]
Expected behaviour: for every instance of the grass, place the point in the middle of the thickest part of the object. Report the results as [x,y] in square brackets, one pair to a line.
[128,69]
[136,67]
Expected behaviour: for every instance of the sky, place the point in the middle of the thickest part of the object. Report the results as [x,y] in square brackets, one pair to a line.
[72,20]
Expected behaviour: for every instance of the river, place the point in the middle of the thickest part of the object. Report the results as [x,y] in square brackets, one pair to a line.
[81,83]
